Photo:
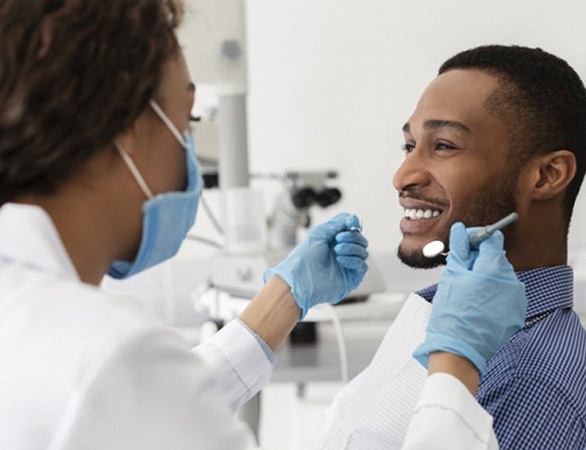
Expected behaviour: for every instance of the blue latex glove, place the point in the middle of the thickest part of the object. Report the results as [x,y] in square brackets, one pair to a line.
[327,265]
[479,303]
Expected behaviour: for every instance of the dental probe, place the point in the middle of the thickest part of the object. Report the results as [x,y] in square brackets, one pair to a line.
[435,248]
[478,236]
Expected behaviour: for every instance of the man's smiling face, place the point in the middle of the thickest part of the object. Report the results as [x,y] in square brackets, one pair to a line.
[457,166]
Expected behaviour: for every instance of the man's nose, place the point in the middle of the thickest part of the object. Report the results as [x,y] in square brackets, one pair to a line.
[413,172]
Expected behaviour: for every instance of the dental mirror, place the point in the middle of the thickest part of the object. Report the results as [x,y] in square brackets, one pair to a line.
[435,248]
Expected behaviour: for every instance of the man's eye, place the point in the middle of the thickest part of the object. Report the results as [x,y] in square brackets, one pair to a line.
[408,148]
[443,146]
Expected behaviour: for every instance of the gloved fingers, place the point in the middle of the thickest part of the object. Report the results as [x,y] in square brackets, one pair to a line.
[346,249]
[352,237]
[496,241]
[354,263]
[460,252]
[328,230]
[353,222]
[491,258]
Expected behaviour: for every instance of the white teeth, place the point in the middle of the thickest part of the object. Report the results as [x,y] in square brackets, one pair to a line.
[417,214]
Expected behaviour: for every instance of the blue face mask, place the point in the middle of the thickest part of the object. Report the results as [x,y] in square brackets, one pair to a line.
[167,217]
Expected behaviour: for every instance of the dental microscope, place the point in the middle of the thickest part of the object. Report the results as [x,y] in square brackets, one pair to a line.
[302,190]
[241,273]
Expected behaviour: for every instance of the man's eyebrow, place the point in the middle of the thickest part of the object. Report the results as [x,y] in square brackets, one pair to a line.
[191,87]
[436,124]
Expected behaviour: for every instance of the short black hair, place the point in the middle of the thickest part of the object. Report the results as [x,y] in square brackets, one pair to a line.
[541,96]
[73,75]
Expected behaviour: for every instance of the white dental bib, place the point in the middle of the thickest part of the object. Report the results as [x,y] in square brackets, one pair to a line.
[374,409]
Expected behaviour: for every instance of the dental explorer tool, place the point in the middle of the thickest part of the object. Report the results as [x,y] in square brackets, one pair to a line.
[435,248]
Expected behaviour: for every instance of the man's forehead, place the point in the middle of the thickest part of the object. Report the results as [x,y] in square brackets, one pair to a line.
[455,99]
[460,85]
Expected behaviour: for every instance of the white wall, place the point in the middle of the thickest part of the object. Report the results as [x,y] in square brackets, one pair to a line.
[331,82]
[336,80]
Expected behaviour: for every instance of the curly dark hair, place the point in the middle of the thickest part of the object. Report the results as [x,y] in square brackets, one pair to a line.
[73,75]
[542,98]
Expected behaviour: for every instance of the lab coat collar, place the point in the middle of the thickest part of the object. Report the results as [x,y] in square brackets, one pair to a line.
[28,236]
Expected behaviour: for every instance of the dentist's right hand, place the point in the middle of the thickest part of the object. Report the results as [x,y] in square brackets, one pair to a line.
[479,303]
[327,265]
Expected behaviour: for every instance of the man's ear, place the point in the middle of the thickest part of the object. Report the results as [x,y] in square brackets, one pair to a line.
[551,173]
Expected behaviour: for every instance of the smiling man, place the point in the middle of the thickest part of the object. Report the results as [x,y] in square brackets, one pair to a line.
[501,129]
[456,167]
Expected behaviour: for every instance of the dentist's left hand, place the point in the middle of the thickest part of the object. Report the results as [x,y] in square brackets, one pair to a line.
[327,265]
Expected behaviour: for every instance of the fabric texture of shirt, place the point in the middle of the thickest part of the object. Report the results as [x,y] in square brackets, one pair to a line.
[84,369]
[535,386]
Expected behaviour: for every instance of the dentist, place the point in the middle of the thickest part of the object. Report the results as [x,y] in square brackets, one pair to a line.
[98,176]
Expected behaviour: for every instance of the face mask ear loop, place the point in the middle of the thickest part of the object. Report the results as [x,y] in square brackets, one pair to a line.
[172,128]
[134,170]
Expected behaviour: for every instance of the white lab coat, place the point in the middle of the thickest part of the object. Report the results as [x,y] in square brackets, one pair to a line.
[81,369]
[84,369]
[448,417]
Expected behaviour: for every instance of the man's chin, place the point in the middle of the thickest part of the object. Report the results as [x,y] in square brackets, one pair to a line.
[416,260]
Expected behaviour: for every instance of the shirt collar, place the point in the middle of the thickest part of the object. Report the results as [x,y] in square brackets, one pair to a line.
[547,289]
[29,237]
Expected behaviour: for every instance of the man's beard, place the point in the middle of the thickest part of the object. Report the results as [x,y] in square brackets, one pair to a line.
[483,210]
[416,260]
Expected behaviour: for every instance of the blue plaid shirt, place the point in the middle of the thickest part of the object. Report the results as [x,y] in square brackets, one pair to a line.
[535,386]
